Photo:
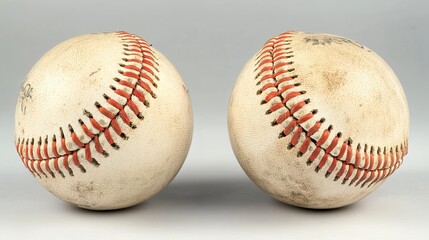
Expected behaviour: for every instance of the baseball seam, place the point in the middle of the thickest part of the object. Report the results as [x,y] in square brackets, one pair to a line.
[139,68]
[282,90]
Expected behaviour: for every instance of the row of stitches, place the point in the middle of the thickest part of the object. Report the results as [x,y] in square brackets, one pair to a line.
[282,90]
[137,76]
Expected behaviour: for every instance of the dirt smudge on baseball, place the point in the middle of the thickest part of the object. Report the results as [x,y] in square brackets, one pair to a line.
[84,189]
[185,89]
[333,81]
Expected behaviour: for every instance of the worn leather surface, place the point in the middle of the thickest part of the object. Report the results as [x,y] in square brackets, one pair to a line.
[69,80]
[355,92]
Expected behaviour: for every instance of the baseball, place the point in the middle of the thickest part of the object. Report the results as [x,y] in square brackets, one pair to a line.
[317,120]
[103,121]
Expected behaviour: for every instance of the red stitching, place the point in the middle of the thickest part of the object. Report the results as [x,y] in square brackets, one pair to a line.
[32,148]
[26,149]
[54,148]
[332,167]
[144,69]
[86,129]
[273,71]
[40,168]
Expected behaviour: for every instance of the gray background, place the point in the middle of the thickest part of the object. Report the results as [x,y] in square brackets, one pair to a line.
[209,42]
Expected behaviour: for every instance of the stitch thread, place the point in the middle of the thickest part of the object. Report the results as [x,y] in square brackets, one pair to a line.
[274,71]
[139,65]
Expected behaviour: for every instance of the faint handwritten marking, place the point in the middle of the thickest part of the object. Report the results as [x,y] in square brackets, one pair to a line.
[333,40]
[96,71]
[26,96]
